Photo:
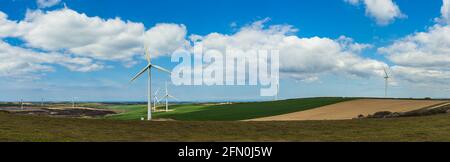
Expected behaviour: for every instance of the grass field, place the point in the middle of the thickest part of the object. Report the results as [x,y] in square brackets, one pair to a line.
[231,112]
[36,128]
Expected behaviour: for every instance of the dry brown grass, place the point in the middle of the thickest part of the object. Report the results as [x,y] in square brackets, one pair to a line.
[351,109]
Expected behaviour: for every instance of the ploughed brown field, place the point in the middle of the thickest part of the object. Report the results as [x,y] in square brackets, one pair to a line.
[352,109]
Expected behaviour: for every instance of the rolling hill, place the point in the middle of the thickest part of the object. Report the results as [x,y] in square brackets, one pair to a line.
[40,128]
[227,112]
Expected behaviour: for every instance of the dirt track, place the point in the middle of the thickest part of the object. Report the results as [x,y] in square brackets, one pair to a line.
[351,109]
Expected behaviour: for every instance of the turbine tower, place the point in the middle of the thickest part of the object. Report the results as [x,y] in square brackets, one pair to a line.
[167,96]
[278,91]
[21,104]
[148,69]
[74,104]
[386,83]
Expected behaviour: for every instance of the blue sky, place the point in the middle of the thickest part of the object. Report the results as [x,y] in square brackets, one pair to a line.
[325,19]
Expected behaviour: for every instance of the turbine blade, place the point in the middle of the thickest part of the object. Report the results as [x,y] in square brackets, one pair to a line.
[173,97]
[156,100]
[159,100]
[161,69]
[141,72]
[157,91]
[147,54]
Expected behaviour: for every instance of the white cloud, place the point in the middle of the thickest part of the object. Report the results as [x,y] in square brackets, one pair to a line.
[422,76]
[47,3]
[301,58]
[111,39]
[94,37]
[76,40]
[445,11]
[7,27]
[163,39]
[383,11]
[353,2]
[66,32]
[423,58]
[20,62]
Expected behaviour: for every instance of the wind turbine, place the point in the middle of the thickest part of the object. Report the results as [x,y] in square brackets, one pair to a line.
[155,99]
[386,79]
[148,69]
[74,104]
[167,96]
[21,104]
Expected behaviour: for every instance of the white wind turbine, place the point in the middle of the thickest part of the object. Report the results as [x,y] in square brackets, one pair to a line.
[155,99]
[148,69]
[74,102]
[167,96]
[386,79]
[21,104]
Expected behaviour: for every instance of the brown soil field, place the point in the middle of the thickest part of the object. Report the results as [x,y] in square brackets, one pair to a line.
[351,109]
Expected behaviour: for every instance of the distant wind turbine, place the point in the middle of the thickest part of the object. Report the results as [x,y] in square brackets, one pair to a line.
[21,104]
[386,79]
[167,96]
[74,104]
[148,69]
[155,99]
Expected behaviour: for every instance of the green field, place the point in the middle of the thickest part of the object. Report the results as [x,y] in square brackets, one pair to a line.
[231,112]
[39,128]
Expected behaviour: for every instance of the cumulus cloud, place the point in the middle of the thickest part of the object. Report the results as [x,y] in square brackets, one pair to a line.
[422,52]
[7,27]
[86,38]
[383,11]
[81,43]
[47,3]
[422,76]
[422,49]
[17,61]
[445,11]
[103,39]
[65,29]
[423,57]
[300,58]
[163,39]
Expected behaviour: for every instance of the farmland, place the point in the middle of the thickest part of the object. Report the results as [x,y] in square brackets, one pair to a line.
[39,128]
[228,122]
[226,112]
